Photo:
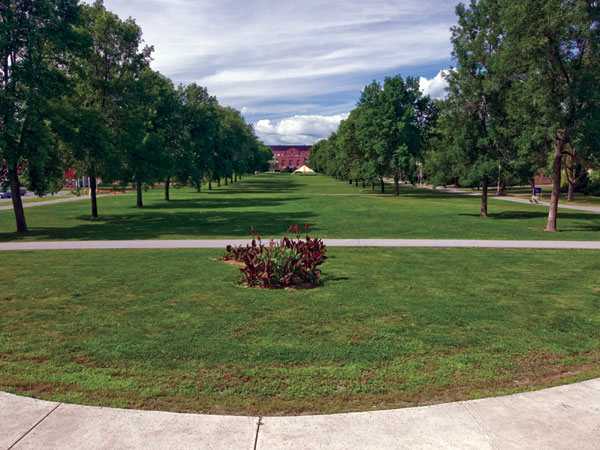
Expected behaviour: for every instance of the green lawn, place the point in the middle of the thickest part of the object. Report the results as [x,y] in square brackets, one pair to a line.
[170,330]
[271,202]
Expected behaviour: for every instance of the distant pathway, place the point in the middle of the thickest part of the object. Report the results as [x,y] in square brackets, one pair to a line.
[595,209]
[222,243]
[50,202]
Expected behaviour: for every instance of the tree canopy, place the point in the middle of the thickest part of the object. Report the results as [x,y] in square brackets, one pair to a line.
[77,90]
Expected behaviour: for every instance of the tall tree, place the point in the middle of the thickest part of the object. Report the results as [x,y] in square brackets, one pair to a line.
[476,108]
[145,119]
[113,60]
[367,131]
[404,114]
[200,122]
[33,40]
[554,51]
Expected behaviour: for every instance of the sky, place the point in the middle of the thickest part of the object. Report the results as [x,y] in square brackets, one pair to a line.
[294,68]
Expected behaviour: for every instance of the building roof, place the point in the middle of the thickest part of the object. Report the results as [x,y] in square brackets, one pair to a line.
[283,148]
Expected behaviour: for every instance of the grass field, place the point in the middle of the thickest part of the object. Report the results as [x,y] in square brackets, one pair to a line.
[170,329]
[272,202]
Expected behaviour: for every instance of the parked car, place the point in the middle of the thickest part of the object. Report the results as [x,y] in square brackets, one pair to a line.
[8,194]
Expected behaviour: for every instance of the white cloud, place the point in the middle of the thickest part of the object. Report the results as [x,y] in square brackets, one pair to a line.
[301,130]
[436,87]
[273,52]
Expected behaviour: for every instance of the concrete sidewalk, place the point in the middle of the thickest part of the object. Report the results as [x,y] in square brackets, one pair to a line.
[564,417]
[506,198]
[222,243]
[51,202]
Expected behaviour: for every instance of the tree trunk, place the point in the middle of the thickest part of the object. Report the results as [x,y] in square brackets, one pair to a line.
[484,198]
[199,189]
[219,182]
[382,186]
[235,178]
[356,182]
[498,192]
[363,181]
[556,175]
[167,183]
[138,188]
[231,179]
[372,186]
[210,185]
[571,196]
[15,188]
[93,187]
[226,181]
[350,181]
[396,183]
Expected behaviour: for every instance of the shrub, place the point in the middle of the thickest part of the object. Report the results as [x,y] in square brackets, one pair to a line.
[284,263]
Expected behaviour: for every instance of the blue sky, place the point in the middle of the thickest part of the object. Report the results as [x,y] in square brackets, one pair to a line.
[294,68]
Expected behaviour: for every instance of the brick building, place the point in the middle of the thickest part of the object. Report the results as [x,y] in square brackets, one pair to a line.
[292,156]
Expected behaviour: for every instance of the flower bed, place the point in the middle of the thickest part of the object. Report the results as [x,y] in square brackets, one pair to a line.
[284,263]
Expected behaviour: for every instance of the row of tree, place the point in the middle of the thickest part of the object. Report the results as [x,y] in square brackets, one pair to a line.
[524,96]
[77,90]
[383,136]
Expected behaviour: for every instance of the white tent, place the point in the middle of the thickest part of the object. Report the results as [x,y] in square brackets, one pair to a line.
[304,169]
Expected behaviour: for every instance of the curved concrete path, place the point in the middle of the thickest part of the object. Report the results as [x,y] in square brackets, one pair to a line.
[222,243]
[564,417]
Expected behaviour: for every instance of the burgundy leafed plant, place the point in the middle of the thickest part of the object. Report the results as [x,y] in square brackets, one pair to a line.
[284,263]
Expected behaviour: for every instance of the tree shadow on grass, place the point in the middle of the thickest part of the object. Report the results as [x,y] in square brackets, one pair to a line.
[216,203]
[589,221]
[183,225]
[408,192]
[508,215]
[256,186]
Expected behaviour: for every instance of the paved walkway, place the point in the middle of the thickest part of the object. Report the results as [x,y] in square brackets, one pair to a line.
[564,417]
[217,243]
[51,202]
[506,198]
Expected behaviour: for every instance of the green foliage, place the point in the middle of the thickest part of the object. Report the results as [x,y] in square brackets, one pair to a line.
[385,134]
[33,42]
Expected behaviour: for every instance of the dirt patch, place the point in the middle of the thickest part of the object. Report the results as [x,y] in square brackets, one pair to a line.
[234,263]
